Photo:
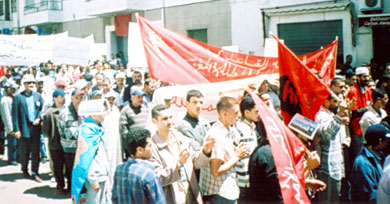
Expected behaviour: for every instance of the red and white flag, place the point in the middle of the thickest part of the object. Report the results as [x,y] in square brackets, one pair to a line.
[288,152]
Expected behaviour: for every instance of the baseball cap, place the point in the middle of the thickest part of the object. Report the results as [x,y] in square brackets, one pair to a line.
[28,78]
[376,132]
[60,82]
[96,93]
[58,92]
[80,84]
[135,90]
[10,85]
[77,92]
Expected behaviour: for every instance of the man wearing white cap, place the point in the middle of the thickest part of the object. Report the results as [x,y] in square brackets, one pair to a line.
[26,122]
[361,95]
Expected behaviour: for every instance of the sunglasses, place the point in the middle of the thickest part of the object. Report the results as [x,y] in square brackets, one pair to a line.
[30,82]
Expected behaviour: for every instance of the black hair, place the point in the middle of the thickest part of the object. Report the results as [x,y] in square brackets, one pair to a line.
[135,138]
[335,81]
[156,109]
[247,103]
[193,93]
[377,93]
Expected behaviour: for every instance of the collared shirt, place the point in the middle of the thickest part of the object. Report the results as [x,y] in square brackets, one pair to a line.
[30,106]
[330,148]
[371,117]
[136,182]
[247,135]
[365,175]
[224,185]
[383,193]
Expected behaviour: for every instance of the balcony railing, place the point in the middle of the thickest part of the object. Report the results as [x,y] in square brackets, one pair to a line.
[43,6]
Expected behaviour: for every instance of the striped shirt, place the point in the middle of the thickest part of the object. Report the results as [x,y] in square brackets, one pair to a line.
[224,185]
[330,148]
[136,182]
[247,135]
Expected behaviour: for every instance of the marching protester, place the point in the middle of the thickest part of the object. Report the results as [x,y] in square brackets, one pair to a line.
[91,169]
[174,162]
[6,116]
[135,180]
[26,122]
[50,130]
[68,127]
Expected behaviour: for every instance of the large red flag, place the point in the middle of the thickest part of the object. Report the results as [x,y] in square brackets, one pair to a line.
[300,90]
[178,59]
[288,152]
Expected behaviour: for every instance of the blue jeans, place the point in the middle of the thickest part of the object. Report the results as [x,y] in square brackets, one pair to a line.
[43,147]
[217,199]
[12,148]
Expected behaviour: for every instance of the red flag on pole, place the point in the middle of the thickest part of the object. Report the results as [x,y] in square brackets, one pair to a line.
[288,152]
[300,90]
[178,59]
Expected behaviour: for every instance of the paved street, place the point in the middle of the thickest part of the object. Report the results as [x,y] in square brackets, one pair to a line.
[16,189]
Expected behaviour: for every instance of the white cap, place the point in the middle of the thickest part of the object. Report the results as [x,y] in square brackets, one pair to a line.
[28,78]
[362,71]
[120,75]
[80,84]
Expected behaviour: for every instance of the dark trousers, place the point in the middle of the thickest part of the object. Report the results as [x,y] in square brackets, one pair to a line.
[2,142]
[357,143]
[58,167]
[69,161]
[217,199]
[31,146]
[331,195]
[12,147]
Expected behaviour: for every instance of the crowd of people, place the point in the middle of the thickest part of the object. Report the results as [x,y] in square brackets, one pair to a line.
[135,152]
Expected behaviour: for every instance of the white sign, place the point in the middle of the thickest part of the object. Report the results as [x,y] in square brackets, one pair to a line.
[27,49]
[211,92]
[136,51]
[71,51]
[97,50]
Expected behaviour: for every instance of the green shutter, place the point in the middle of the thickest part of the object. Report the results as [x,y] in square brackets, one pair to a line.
[198,34]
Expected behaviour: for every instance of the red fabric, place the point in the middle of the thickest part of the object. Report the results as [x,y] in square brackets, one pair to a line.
[122,25]
[322,62]
[288,152]
[178,59]
[2,71]
[362,101]
[301,91]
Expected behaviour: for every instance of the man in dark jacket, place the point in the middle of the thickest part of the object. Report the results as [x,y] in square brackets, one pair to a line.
[26,121]
[50,130]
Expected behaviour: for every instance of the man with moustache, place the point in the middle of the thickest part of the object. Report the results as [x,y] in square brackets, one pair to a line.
[26,122]
[331,170]
[137,78]
[362,95]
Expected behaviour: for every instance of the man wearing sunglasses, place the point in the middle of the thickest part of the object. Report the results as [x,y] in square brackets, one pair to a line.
[26,121]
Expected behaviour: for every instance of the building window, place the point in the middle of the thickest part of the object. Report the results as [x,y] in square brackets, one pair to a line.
[1,8]
[198,34]
[14,6]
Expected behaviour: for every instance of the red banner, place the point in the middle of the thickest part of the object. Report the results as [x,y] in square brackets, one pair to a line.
[300,90]
[181,60]
[288,152]
[122,25]
[2,71]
